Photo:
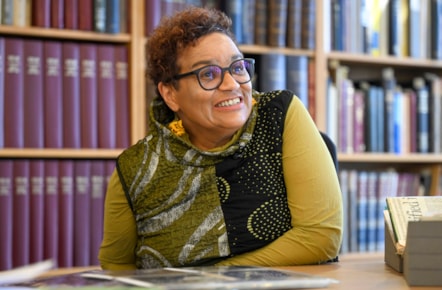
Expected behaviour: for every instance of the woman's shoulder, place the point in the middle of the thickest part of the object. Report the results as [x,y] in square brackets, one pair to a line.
[274,98]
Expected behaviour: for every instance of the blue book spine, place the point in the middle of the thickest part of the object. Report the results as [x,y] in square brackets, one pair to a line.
[297,77]
[423,120]
[113,16]
[234,11]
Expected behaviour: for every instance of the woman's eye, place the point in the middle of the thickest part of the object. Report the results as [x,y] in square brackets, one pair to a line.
[209,73]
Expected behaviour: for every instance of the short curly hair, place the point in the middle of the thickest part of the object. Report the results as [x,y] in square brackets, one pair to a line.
[178,32]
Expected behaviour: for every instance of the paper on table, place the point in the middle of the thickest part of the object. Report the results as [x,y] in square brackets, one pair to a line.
[25,273]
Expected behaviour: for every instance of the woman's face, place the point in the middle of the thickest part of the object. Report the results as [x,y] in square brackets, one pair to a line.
[210,117]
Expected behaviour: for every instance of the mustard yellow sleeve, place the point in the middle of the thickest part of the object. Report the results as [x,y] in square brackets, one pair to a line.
[314,199]
[119,229]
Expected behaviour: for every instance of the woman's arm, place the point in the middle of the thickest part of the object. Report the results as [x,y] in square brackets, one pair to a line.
[314,199]
[119,229]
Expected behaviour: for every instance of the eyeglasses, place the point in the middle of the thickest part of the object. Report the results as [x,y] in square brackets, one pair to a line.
[210,77]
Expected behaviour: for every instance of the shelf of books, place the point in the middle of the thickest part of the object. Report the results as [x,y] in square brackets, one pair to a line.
[71,98]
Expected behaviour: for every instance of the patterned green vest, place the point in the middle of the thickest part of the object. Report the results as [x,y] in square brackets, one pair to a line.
[195,207]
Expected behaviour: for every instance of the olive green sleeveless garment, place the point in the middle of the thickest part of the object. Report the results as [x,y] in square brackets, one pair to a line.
[195,207]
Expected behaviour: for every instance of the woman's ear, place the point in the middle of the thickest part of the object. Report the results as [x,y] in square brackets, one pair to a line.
[168,93]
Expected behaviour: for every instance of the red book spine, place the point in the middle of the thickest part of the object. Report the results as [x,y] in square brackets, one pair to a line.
[82,219]
[6,195]
[20,212]
[57,13]
[122,97]
[41,13]
[52,78]
[33,94]
[66,214]
[98,190]
[153,15]
[2,95]
[71,95]
[51,189]
[88,96]
[85,18]
[13,88]
[106,97]
[36,172]
[71,14]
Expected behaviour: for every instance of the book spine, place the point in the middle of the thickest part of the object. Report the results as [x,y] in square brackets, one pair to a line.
[71,14]
[33,94]
[308,24]
[51,218]
[153,15]
[85,15]
[113,16]
[66,214]
[6,218]
[389,86]
[2,95]
[57,16]
[88,95]
[277,23]
[20,214]
[125,16]
[248,21]
[294,24]
[71,95]
[21,14]
[100,15]
[122,97]
[358,121]
[362,211]
[436,33]
[82,216]
[394,28]
[106,97]
[297,77]
[36,172]
[13,87]
[41,13]
[234,9]
[53,107]
[414,23]
[423,107]
[7,10]
[260,22]
[98,191]
[272,72]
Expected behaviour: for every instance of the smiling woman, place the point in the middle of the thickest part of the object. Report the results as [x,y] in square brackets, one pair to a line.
[227,175]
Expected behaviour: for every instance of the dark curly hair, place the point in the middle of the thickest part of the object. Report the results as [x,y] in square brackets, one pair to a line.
[178,32]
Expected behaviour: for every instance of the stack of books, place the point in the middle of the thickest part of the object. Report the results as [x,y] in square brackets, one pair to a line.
[414,237]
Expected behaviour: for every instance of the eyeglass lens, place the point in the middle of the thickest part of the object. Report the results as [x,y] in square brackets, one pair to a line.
[212,76]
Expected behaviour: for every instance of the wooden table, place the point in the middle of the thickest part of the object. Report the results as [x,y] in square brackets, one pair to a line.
[360,271]
[357,271]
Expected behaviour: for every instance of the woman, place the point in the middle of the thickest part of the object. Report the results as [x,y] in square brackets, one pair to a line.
[226,175]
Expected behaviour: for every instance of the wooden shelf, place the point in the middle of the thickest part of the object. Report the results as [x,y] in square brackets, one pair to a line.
[64,34]
[364,59]
[413,158]
[60,153]
[261,49]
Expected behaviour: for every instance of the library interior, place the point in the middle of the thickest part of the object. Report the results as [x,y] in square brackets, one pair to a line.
[74,95]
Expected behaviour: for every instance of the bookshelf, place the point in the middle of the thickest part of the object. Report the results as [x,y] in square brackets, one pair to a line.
[135,41]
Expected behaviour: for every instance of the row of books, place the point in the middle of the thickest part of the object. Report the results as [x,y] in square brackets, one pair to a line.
[405,28]
[364,196]
[385,116]
[52,209]
[62,94]
[104,16]
[280,23]
[275,71]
